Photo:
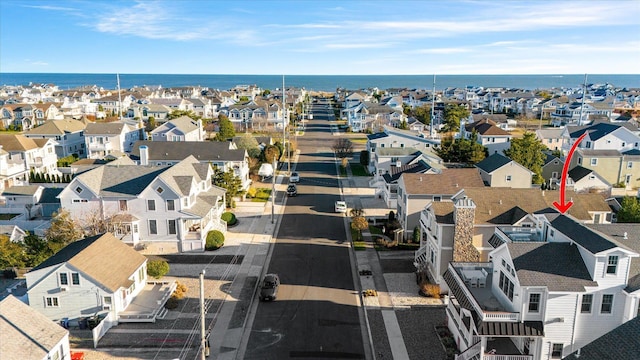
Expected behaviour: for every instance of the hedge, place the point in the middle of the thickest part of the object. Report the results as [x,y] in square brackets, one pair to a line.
[229,218]
[157,268]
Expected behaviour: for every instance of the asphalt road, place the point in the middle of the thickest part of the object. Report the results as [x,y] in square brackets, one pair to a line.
[316,314]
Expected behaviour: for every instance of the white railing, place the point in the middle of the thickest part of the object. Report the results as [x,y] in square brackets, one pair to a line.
[506,357]
[471,352]
[102,328]
[500,316]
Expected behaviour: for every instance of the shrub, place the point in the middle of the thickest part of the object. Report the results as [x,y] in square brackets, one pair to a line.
[229,218]
[157,268]
[180,292]
[252,192]
[431,290]
[171,303]
[416,235]
[215,240]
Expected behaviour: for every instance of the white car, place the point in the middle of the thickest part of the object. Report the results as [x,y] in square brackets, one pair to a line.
[341,206]
[294,178]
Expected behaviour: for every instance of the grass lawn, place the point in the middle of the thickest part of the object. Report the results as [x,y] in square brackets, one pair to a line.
[359,140]
[8,216]
[359,245]
[359,170]
[343,171]
[355,234]
[375,230]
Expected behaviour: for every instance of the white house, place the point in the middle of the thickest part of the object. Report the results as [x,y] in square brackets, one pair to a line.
[95,275]
[37,155]
[396,138]
[29,335]
[68,135]
[582,179]
[601,136]
[548,289]
[169,208]
[102,139]
[183,128]
[13,170]
[488,135]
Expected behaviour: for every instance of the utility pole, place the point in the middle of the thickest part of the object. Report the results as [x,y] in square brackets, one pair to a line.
[285,121]
[273,190]
[584,94]
[433,105]
[203,339]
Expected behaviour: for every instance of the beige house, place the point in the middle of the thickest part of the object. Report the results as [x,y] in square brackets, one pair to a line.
[417,190]
[500,171]
[612,165]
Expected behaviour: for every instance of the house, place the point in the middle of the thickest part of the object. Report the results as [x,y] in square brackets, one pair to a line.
[102,139]
[578,113]
[396,138]
[484,209]
[488,134]
[183,128]
[581,179]
[159,112]
[552,169]
[169,208]
[499,171]
[13,170]
[551,138]
[415,191]
[617,168]
[29,335]
[14,233]
[550,282]
[68,135]
[95,275]
[37,155]
[222,155]
[23,199]
[602,136]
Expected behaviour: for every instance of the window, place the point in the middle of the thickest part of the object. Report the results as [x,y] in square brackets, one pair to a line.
[556,351]
[107,300]
[123,205]
[78,189]
[51,302]
[160,190]
[172,227]
[588,145]
[75,278]
[153,228]
[554,175]
[587,300]
[506,286]
[135,228]
[151,205]
[64,279]
[594,162]
[534,303]
[508,178]
[629,165]
[171,205]
[612,264]
[607,304]
[579,161]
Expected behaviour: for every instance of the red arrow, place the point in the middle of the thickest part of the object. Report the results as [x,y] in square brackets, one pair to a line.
[562,206]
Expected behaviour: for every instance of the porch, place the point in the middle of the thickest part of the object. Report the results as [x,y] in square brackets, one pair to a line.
[148,305]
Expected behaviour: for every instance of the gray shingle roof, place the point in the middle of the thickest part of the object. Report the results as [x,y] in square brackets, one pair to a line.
[377,136]
[589,239]
[579,172]
[104,128]
[621,343]
[178,150]
[26,334]
[493,163]
[557,266]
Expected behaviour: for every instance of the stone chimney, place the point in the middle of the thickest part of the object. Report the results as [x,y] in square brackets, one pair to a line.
[144,155]
[463,217]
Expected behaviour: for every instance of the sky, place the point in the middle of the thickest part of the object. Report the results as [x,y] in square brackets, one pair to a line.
[320,37]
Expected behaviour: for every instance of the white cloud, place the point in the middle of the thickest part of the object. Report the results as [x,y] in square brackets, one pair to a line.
[443,51]
[49,7]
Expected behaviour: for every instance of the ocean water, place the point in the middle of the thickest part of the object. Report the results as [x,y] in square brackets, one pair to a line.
[319,82]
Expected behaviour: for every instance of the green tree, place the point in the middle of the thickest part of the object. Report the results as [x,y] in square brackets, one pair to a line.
[151,124]
[266,92]
[36,250]
[423,114]
[403,125]
[461,150]
[157,268]
[11,253]
[270,154]
[226,130]
[63,231]
[230,182]
[453,113]
[415,236]
[406,109]
[528,152]
[243,99]
[247,141]
[630,210]
[177,113]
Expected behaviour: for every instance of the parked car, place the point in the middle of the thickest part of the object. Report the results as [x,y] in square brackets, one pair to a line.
[269,287]
[341,207]
[292,190]
[294,178]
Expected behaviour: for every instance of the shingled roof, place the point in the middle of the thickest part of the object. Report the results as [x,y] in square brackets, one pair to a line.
[57,127]
[557,266]
[590,239]
[621,343]
[178,150]
[493,163]
[26,333]
[104,258]
[448,182]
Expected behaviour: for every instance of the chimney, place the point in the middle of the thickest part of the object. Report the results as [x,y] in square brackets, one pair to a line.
[144,155]
[463,217]
[624,236]
[500,201]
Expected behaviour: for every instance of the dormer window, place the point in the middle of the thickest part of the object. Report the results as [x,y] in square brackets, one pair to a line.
[160,190]
[612,264]
[79,189]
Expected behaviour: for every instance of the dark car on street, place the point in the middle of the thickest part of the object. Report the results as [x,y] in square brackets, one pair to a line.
[269,287]
[292,190]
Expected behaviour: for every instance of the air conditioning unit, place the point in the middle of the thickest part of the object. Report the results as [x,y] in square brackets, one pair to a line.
[64,288]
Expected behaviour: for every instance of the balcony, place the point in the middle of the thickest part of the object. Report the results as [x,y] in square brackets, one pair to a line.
[519,233]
